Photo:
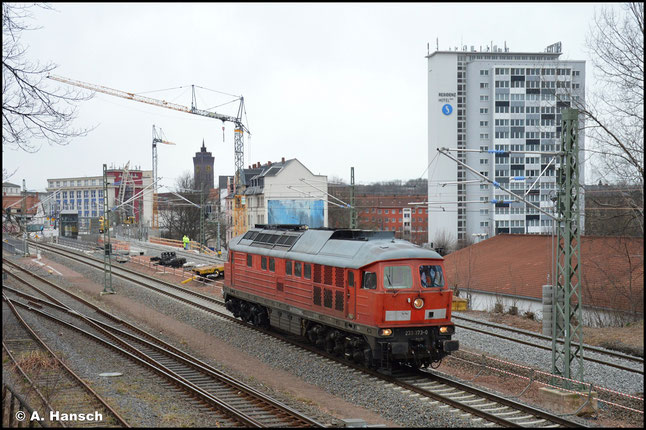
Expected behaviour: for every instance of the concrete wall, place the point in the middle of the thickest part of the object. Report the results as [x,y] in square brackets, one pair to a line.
[442,132]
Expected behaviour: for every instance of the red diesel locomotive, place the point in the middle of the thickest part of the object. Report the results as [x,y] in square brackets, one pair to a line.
[363,294]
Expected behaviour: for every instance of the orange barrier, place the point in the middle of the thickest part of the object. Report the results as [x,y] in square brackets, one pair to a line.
[117,245]
[180,244]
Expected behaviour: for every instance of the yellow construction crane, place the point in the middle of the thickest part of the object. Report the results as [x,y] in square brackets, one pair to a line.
[239,130]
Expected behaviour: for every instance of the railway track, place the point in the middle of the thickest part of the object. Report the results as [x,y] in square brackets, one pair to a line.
[205,302]
[630,358]
[479,407]
[54,387]
[242,405]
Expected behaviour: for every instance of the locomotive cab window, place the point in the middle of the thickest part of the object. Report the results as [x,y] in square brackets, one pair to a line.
[397,277]
[263,263]
[350,278]
[307,271]
[431,276]
[272,264]
[249,260]
[369,281]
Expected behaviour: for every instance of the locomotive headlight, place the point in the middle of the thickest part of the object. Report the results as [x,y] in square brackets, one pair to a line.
[386,332]
[418,303]
[446,329]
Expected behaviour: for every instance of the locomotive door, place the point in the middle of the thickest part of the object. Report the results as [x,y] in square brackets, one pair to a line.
[351,295]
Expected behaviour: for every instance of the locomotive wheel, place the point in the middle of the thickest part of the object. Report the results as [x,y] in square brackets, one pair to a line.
[313,333]
[260,318]
[331,342]
[233,306]
[367,357]
[251,315]
[245,311]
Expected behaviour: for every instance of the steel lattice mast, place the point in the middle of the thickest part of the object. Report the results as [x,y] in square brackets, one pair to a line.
[567,315]
[107,251]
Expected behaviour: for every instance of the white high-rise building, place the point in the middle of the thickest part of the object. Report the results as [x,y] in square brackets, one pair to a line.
[504,109]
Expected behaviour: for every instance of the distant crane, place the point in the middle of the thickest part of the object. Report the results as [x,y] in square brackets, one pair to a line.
[238,144]
[157,138]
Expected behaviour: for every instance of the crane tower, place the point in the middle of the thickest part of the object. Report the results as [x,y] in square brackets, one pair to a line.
[238,143]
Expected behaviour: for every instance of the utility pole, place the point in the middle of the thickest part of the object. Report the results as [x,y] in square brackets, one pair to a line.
[107,249]
[567,315]
[218,246]
[23,216]
[353,211]
[202,218]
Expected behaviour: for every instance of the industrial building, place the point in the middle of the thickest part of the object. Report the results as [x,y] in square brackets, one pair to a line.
[85,195]
[480,101]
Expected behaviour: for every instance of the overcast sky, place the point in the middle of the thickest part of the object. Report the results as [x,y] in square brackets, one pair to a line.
[334,85]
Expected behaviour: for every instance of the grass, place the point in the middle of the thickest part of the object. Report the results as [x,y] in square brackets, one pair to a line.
[37,360]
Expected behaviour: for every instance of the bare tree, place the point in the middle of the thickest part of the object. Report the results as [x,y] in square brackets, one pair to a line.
[179,217]
[614,113]
[31,111]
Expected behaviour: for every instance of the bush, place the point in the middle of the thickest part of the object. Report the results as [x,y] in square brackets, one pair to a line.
[513,310]
[530,315]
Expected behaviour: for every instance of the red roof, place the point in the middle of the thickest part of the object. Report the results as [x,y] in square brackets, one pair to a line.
[612,268]
[31,202]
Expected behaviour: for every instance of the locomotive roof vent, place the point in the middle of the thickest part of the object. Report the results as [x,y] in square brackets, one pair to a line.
[348,234]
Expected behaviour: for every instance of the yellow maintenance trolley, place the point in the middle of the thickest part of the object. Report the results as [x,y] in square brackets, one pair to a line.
[211,271]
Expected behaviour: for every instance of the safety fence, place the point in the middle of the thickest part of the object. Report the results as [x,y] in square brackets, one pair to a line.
[179,244]
[117,245]
[177,271]
[612,398]
[15,410]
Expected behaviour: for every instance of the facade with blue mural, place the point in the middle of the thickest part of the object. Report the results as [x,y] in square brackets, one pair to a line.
[308,212]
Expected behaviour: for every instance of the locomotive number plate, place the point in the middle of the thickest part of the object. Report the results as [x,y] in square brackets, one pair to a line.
[416,333]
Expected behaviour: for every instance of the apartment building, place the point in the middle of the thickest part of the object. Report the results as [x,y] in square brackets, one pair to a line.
[284,192]
[499,112]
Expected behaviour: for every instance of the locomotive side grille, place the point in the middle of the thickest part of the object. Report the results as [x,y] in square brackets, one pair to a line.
[317,273]
[327,298]
[327,275]
[279,286]
[338,300]
[339,276]
[317,295]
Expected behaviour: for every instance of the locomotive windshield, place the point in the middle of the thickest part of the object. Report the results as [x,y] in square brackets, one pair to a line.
[397,277]
[431,276]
